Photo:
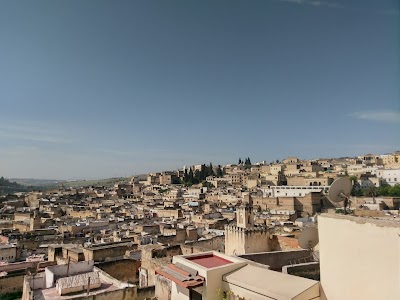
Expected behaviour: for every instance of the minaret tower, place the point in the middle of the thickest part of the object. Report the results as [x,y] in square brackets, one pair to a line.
[244,237]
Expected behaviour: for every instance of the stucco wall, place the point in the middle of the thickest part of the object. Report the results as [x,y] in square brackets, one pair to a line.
[359,258]
[147,292]
[163,288]
[277,259]
[215,243]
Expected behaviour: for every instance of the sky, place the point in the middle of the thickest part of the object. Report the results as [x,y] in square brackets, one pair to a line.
[97,89]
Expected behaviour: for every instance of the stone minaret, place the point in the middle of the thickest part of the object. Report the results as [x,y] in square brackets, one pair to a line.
[244,237]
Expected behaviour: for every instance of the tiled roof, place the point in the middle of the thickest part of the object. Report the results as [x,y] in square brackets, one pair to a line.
[182,275]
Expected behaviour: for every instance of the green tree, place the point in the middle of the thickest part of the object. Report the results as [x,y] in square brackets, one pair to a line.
[196,177]
[220,173]
[370,191]
[211,170]
[356,189]
[191,175]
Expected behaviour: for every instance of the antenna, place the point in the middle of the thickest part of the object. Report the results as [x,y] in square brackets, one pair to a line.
[308,239]
[340,191]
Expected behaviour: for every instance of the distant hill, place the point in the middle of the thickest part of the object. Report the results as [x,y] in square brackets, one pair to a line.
[36,182]
[94,182]
[10,187]
[45,184]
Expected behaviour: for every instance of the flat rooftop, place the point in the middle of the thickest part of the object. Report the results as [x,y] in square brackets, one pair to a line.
[272,284]
[209,260]
[382,222]
[52,294]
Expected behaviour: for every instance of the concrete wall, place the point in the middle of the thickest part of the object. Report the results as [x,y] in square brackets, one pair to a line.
[103,253]
[61,271]
[306,270]
[215,243]
[147,292]
[124,294]
[124,270]
[359,258]
[163,287]
[154,258]
[277,259]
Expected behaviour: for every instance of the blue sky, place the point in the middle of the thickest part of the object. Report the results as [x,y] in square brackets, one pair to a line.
[92,89]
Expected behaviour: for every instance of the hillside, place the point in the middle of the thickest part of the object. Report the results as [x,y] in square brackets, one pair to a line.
[9,187]
[45,184]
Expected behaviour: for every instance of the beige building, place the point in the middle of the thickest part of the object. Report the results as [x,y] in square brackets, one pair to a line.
[359,258]
[235,178]
[165,179]
[218,182]
[291,160]
[389,159]
[275,169]
[215,276]
[8,253]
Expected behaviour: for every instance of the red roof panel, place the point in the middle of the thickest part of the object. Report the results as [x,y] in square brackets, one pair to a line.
[209,261]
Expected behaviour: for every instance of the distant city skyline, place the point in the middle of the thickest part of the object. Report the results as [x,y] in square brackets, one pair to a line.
[98,89]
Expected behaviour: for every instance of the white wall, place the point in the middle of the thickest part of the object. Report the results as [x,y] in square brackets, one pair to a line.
[291,191]
[359,258]
[61,271]
[392,177]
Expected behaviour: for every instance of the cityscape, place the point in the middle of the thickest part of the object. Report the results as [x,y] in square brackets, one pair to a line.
[206,232]
[200,150]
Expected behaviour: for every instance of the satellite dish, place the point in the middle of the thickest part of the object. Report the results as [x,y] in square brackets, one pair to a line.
[340,191]
[308,238]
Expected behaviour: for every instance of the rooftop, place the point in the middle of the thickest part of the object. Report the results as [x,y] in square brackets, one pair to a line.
[274,285]
[362,220]
[209,260]
[52,294]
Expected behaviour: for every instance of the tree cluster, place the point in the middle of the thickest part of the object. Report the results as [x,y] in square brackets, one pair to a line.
[372,191]
[246,162]
[384,190]
[6,182]
[194,177]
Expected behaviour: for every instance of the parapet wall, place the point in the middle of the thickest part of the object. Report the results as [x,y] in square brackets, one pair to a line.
[276,259]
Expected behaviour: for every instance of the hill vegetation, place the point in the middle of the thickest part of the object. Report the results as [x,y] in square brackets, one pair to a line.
[9,187]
